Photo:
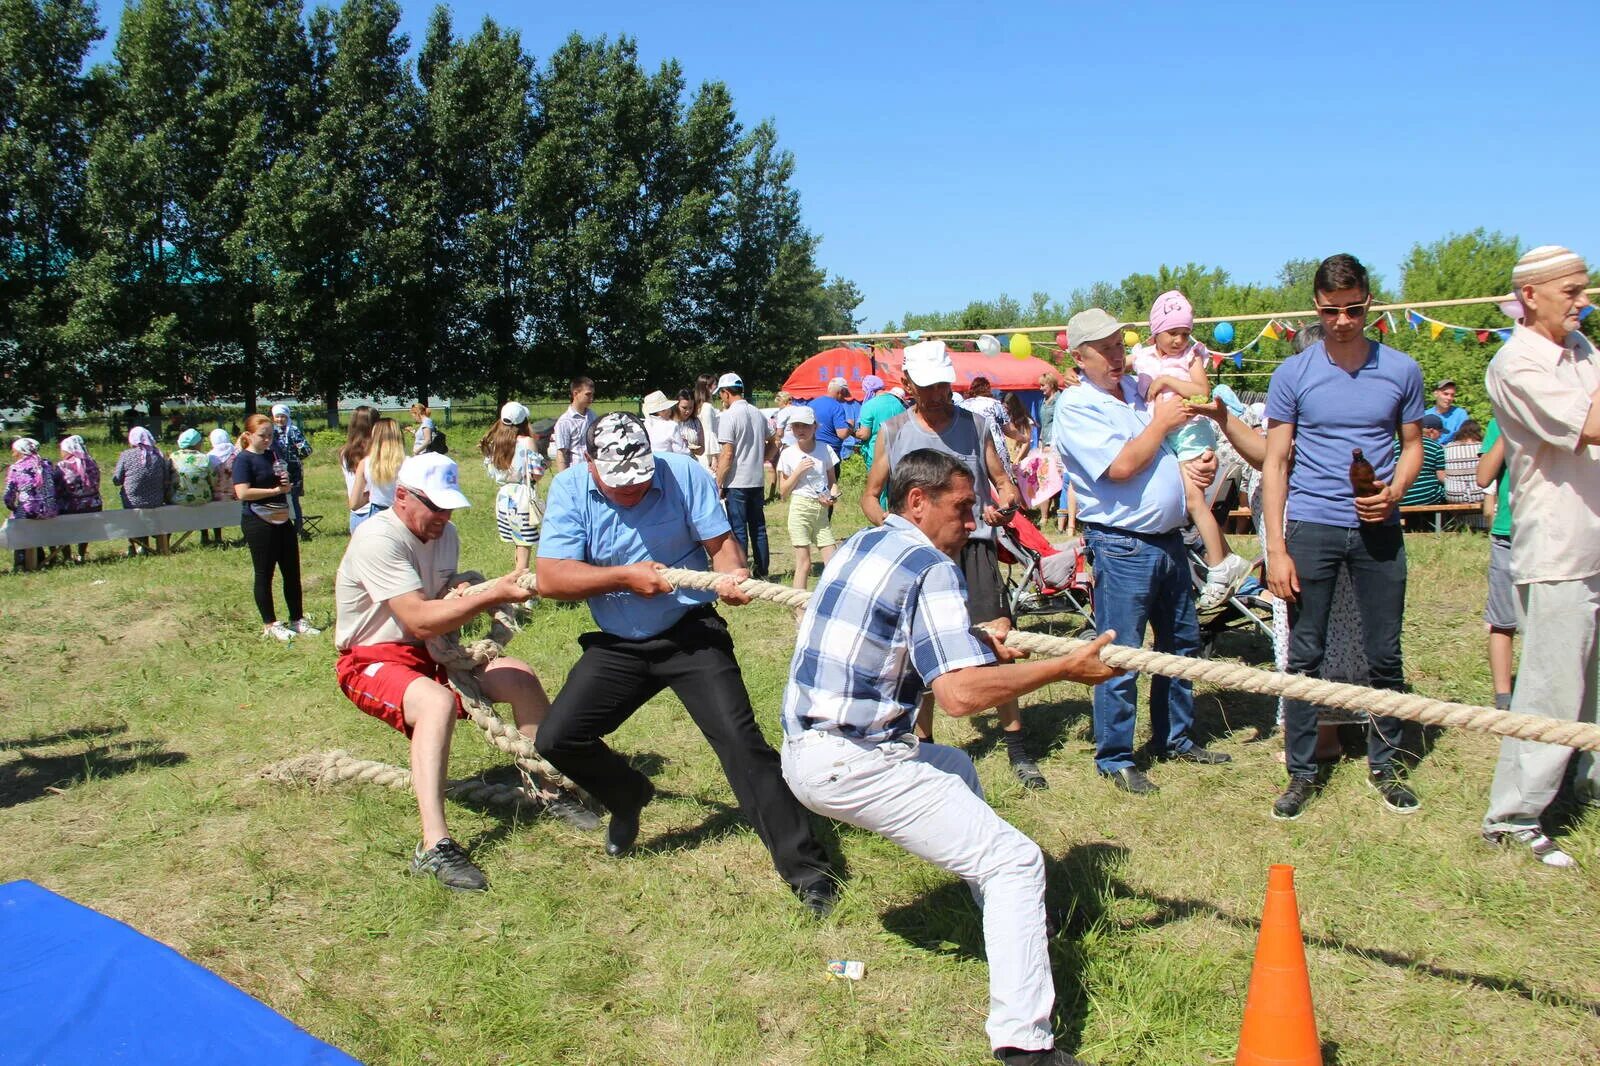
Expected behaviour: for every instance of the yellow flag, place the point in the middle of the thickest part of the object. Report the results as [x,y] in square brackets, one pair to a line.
[1271,332]
[1434,329]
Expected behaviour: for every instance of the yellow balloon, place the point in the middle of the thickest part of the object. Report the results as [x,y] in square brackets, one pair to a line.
[1021,346]
[1130,338]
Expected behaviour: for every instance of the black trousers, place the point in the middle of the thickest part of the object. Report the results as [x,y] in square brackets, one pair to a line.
[274,546]
[615,676]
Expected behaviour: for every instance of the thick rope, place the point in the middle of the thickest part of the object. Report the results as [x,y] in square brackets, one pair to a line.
[463,661]
[337,767]
[1238,676]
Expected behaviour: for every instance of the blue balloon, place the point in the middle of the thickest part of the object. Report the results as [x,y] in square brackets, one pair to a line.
[1223,332]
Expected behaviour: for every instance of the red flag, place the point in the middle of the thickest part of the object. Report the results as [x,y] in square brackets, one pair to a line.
[1383,325]
[1216,360]
[1483,336]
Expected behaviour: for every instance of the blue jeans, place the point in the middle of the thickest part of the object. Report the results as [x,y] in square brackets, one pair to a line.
[1376,558]
[747,514]
[1141,579]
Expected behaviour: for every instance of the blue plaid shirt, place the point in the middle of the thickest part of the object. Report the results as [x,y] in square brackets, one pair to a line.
[889,615]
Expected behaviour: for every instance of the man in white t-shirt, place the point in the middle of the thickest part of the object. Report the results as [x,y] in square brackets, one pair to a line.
[389,598]
[743,432]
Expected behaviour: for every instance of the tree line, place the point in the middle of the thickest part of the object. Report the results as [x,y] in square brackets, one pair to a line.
[248,200]
[1456,266]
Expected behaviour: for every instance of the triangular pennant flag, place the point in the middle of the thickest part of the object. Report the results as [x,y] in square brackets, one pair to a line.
[1271,332]
[1434,329]
[1483,336]
[1238,360]
[1388,316]
[1383,324]
[1503,334]
[1216,360]
[1289,332]
[1415,319]
[1585,312]
[1459,334]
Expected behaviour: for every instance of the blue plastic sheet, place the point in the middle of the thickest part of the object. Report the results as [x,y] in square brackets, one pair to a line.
[77,988]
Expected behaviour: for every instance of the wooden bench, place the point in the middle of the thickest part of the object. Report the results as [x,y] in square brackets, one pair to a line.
[1439,511]
[29,534]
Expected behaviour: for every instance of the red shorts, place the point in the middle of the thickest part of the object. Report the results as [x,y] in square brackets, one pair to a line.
[375,678]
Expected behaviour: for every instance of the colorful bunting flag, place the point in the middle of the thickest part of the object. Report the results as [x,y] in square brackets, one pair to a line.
[1434,329]
[1585,312]
[1414,319]
[1459,334]
[1483,336]
[1271,331]
[1216,360]
[1238,360]
[1384,324]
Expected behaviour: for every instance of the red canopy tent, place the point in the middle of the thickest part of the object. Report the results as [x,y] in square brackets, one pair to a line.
[1005,372]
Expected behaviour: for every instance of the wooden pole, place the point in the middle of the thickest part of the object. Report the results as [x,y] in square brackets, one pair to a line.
[1415,305]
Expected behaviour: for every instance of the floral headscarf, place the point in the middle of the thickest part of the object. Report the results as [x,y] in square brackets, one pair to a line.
[25,446]
[74,445]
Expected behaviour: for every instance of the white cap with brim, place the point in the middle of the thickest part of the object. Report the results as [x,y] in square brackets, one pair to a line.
[656,402]
[513,414]
[621,452]
[928,363]
[1092,325]
[434,477]
[730,381]
[803,416]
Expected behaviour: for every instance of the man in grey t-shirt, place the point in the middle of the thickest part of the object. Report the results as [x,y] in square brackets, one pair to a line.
[744,435]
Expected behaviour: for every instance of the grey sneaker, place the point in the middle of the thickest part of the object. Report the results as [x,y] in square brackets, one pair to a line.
[1544,849]
[564,808]
[449,865]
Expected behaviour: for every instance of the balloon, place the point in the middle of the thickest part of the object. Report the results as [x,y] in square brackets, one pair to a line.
[1061,340]
[1223,332]
[1130,338]
[988,345]
[914,335]
[1021,346]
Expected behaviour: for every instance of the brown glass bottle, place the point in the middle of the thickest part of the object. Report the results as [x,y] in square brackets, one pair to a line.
[1363,479]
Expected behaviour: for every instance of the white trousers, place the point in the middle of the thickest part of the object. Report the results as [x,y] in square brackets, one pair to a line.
[1557,678]
[926,798]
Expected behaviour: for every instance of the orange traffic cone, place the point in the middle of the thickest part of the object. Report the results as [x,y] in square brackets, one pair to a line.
[1279,1027]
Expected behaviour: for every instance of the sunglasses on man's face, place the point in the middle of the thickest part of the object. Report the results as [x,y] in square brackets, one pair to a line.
[1352,311]
[429,504]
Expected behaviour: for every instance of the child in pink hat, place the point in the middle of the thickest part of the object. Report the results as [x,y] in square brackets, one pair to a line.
[1174,362]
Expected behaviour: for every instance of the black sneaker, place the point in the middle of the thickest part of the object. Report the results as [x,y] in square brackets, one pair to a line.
[1028,773]
[449,865]
[1053,1057]
[1132,780]
[1290,805]
[1396,796]
[1199,755]
[568,810]
[820,896]
[624,827]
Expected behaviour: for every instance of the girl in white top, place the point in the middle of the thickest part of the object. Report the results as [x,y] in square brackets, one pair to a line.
[510,458]
[806,478]
[424,429]
[372,483]
[705,412]
[665,431]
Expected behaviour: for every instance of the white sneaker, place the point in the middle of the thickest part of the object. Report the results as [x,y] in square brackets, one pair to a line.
[305,629]
[1544,849]
[1222,579]
[278,631]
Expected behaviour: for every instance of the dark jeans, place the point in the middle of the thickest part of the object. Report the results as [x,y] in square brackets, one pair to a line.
[274,546]
[615,676]
[748,516]
[1142,579]
[1376,558]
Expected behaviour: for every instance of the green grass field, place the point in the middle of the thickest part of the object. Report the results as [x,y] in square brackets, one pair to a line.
[140,704]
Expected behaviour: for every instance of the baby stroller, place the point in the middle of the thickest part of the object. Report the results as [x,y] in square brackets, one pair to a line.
[1044,578]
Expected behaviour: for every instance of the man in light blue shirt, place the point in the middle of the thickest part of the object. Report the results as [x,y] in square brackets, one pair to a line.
[1131,503]
[610,526]
[1450,416]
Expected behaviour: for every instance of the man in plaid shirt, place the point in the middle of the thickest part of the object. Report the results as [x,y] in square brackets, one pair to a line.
[887,621]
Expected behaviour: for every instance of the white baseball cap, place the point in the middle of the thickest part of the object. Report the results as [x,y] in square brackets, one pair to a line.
[1089,326]
[730,380]
[434,477]
[928,363]
[656,402]
[513,414]
[803,416]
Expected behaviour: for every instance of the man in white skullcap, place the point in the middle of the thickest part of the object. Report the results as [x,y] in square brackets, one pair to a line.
[1545,386]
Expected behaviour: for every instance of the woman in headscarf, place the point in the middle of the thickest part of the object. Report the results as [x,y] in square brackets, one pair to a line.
[290,447]
[30,485]
[78,484]
[144,476]
[192,484]
[221,459]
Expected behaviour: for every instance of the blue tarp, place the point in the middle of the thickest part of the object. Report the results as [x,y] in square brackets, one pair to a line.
[78,988]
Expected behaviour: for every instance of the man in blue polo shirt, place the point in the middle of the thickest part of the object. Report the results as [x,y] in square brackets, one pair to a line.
[833,416]
[1131,503]
[1343,394]
[610,525]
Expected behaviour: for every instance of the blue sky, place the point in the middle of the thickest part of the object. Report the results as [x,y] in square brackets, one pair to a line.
[948,152]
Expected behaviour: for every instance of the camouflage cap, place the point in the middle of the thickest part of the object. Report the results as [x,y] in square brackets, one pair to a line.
[621,451]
